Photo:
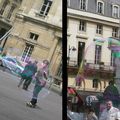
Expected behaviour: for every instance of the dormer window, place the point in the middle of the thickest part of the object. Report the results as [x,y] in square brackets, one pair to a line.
[68,3]
[115,11]
[83,4]
[100,7]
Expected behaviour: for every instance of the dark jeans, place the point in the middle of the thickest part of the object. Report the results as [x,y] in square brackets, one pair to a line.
[27,83]
[37,89]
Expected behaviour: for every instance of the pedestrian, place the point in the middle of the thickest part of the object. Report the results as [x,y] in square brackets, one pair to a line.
[24,73]
[110,112]
[41,77]
[118,116]
[32,69]
[91,114]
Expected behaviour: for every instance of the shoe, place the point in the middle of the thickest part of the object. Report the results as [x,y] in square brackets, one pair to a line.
[24,88]
[30,105]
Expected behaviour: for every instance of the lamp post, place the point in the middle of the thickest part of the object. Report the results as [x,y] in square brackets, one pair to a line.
[69,50]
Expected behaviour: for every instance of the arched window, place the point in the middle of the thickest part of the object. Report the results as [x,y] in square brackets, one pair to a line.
[100,7]
[115,11]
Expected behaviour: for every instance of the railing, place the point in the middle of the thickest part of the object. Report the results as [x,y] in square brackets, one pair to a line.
[99,67]
[91,69]
[90,64]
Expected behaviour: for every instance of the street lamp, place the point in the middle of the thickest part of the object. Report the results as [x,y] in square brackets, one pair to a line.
[69,50]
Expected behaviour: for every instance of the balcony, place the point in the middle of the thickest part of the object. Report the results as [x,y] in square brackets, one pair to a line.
[91,69]
[72,67]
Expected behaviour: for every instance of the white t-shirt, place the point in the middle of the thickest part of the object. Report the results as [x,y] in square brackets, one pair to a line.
[109,114]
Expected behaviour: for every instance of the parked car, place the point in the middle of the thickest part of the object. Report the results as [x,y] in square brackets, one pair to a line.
[12,64]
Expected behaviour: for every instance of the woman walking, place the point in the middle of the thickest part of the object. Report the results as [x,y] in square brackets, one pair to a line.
[41,77]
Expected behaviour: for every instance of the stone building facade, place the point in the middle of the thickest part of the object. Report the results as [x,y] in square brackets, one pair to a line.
[37,34]
[91,20]
[8,10]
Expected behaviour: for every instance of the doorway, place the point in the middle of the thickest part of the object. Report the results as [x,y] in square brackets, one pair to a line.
[81,47]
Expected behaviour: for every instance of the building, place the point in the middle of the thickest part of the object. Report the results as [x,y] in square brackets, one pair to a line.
[37,34]
[90,25]
[8,10]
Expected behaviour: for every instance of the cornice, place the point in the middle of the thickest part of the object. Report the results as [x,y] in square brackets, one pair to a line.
[75,14]
[39,21]
[35,43]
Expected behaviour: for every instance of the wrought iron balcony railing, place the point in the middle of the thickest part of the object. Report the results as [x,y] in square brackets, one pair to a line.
[103,70]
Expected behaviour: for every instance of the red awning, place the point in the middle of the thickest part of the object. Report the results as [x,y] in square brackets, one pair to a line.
[73,91]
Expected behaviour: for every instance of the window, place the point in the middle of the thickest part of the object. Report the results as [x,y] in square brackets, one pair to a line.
[27,52]
[100,7]
[10,60]
[95,83]
[115,12]
[59,72]
[115,32]
[33,36]
[97,54]
[3,7]
[68,3]
[82,4]
[99,29]
[10,12]
[67,23]
[45,7]
[81,48]
[82,26]
[112,62]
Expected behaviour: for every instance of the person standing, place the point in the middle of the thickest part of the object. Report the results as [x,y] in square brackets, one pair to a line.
[32,69]
[110,112]
[23,74]
[118,116]
[41,77]
[91,114]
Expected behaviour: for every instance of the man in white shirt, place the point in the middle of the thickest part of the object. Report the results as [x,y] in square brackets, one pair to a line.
[110,113]
[118,116]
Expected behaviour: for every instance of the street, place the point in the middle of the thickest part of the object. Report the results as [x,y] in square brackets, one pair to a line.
[13,101]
